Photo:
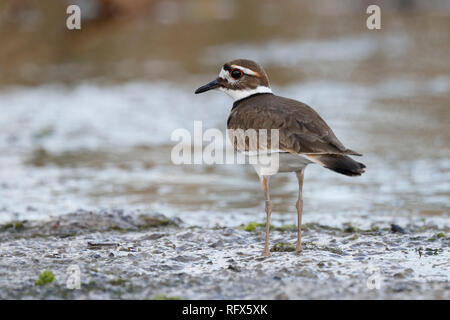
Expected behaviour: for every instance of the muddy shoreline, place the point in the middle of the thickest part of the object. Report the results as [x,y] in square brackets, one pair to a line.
[144,255]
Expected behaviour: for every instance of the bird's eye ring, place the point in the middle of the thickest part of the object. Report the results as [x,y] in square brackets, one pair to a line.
[236,73]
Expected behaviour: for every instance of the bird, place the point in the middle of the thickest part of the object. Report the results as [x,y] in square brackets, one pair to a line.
[303,136]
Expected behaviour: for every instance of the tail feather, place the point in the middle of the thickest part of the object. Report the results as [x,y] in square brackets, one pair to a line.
[340,163]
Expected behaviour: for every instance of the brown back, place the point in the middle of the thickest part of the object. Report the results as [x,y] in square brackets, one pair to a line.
[301,129]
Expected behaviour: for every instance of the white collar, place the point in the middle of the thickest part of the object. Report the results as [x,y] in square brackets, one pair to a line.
[241,94]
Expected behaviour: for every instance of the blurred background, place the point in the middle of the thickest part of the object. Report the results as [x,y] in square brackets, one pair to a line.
[86,115]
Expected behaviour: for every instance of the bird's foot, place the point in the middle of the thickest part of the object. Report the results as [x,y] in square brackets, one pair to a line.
[299,249]
[266,253]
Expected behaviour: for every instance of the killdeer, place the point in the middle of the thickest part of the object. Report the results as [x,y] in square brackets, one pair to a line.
[304,137]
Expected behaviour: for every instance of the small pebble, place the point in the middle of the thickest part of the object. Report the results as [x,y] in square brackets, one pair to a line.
[397,229]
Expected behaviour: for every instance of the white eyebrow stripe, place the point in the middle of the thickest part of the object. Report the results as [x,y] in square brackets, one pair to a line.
[245,70]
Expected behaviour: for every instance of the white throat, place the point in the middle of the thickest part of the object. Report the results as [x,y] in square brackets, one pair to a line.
[241,94]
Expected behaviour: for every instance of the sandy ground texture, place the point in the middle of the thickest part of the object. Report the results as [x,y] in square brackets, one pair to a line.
[142,255]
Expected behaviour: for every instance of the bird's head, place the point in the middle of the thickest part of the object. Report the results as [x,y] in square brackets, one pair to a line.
[239,79]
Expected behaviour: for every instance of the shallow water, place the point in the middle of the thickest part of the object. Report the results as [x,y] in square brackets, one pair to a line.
[61,157]
[93,131]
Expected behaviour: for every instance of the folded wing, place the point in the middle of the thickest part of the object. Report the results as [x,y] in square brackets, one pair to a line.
[301,129]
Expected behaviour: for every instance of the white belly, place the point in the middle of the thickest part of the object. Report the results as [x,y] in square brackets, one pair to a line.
[286,162]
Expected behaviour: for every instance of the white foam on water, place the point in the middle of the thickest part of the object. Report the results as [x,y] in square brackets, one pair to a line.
[120,117]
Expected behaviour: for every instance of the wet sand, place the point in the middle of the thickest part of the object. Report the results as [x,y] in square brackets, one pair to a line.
[142,255]
[85,126]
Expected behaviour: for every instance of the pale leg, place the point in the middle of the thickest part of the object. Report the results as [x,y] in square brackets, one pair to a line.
[268,204]
[299,205]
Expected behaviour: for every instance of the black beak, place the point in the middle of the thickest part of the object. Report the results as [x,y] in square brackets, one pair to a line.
[209,86]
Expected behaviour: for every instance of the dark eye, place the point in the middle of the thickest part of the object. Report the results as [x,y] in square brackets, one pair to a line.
[236,73]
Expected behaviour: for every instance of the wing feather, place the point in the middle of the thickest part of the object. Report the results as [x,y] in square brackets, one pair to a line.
[301,129]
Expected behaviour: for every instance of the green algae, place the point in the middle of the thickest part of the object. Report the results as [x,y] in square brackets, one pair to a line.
[282,247]
[350,229]
[6,226]
[15,225]
[333,250]
[44,278]
[154,222]
[353,237]
[165,297]
[287,227]
[117,282]
[309,245]
[318,226]
[252,226]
